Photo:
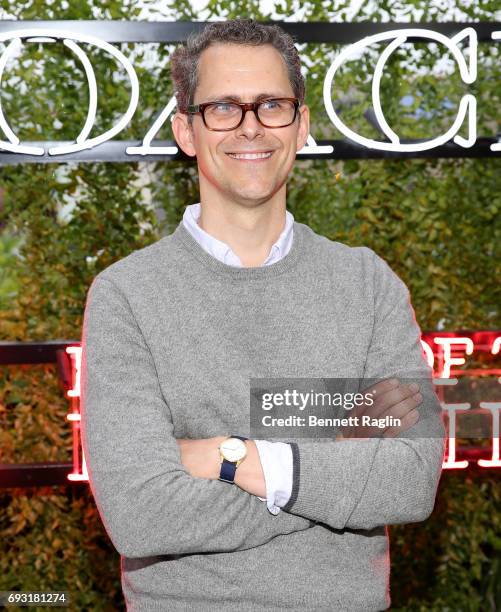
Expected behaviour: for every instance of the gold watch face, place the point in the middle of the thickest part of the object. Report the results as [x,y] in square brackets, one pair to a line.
[233,449]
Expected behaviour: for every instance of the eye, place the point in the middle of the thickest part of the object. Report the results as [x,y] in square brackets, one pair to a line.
[270,104]
[223,108]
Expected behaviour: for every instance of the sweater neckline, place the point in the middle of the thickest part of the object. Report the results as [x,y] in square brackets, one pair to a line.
[184,238]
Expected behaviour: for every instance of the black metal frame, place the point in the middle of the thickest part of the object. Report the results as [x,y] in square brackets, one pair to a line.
[309,32]
[11,353]
[55,473]
[20,353]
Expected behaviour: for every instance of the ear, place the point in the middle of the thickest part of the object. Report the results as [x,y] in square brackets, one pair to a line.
[304,126]
[183,133]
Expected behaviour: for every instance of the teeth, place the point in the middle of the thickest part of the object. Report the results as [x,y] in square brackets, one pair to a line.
[249,155]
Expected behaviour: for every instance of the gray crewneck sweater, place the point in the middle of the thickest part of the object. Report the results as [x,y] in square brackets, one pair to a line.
[160,327]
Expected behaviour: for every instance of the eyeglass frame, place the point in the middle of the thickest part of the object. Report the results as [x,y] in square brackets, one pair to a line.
[199,109]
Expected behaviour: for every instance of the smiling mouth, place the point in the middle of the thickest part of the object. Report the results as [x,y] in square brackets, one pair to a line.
[252,157]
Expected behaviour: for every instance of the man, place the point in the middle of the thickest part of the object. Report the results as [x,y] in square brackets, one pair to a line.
[204,517]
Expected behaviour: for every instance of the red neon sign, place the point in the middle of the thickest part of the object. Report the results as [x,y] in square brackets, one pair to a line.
[444,352]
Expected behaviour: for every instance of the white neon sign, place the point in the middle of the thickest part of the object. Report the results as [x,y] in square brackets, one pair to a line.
[451,462]
[448,343]
[466,111]
[467,103]
[82,143]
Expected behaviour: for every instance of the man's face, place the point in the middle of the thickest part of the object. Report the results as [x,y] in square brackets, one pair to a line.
[243,73]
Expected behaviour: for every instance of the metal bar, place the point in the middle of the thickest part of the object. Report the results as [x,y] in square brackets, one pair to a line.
[35,474]
[114,151]
[117,31]
[16,353]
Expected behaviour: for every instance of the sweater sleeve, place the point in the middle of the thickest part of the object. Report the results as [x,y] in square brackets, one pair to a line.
[148,502]
[365,483]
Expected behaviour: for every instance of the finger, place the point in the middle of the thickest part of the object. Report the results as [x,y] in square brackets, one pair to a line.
[382,386]
[395,396]
[401,392]
[386,395]
[410,419]
[386,402]
[376,391]
[407,405]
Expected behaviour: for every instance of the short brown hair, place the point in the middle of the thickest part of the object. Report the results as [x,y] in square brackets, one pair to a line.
[185,59]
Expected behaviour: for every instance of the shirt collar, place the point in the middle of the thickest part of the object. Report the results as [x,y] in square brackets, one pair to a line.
[222,251]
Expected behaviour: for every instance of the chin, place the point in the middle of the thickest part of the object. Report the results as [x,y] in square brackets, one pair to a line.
[253,199]
[256,195]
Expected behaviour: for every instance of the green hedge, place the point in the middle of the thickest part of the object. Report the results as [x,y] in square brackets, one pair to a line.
[435,221]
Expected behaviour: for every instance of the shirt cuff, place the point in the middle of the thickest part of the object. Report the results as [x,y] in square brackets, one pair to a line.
[276,461]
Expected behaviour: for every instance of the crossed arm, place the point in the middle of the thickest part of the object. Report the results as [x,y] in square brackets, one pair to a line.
[147,497]
[201,457]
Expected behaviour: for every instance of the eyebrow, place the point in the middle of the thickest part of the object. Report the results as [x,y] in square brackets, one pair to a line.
[222,97]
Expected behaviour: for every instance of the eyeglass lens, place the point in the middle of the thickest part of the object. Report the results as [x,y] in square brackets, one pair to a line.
[272,113]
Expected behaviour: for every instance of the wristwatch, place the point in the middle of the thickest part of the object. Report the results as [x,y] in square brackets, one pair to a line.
[233,451]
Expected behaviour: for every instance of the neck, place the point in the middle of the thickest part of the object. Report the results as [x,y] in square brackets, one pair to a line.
[249,231]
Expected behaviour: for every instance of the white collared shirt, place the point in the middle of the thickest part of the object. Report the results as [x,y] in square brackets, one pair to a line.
[220,250]
[276,457]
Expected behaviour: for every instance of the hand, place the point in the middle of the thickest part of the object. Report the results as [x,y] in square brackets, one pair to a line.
[390,399]
[201,457]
